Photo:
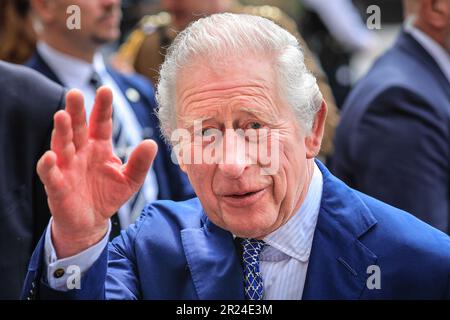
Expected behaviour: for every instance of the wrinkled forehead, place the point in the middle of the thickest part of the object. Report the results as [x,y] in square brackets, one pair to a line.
[205,89]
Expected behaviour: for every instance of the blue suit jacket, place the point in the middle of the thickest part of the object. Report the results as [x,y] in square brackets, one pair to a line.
[25,127]
[173,184]
[393,139]
[175,252]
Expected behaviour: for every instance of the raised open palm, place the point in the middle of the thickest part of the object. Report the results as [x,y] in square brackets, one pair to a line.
[85,182]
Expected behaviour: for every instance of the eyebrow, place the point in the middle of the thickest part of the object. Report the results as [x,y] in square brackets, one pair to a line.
[264,116]
[189,121]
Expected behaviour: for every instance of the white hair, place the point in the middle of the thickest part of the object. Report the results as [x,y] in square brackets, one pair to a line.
[228,35]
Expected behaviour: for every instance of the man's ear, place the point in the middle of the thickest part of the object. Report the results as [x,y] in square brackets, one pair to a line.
[314,140]
[436,12]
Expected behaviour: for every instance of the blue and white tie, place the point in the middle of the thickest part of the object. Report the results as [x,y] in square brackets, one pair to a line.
[253,283]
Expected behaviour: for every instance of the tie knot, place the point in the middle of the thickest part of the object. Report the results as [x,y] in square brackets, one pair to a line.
[252,247]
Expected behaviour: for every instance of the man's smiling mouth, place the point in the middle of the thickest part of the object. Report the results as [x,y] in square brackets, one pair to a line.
[243,198]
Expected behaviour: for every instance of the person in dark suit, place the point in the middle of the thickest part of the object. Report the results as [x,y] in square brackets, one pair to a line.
[72,58]
[27,103]
[300,232]
[393,139]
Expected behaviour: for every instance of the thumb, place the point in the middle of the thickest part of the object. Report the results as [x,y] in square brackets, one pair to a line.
[139,162]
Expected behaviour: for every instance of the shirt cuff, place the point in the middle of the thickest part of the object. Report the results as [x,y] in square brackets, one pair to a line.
[65,274]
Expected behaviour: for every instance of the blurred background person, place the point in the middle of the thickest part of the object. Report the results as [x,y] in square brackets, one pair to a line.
[72,59]
[338,34]
[28,101]
[386,33]
[133,10]
[393,140]
[17,36]
[343,21]
[146,47]
[335,30]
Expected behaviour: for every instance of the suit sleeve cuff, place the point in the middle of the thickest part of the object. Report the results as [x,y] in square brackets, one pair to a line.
[65,274]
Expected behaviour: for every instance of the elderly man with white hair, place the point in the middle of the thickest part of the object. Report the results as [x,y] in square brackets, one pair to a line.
[264,226]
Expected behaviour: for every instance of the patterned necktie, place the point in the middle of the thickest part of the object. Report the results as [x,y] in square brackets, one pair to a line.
[122,146]
[253,283]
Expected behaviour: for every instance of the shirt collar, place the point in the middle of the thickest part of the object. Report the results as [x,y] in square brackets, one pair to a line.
[434,49]
[294,238]
[73,72]
[99,64]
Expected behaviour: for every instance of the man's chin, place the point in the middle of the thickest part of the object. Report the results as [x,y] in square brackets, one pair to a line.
[249,233]
[246,228]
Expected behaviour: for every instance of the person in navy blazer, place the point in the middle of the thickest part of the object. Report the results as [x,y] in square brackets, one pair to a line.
[25,124]
[393,139]
[276,228]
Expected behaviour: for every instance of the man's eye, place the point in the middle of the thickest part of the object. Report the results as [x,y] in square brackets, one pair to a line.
[254,125]
[208,132]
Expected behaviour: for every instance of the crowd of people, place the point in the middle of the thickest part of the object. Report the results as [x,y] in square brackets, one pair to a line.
[90,174]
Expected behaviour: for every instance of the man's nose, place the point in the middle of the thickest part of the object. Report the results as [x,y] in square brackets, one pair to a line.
[234,161]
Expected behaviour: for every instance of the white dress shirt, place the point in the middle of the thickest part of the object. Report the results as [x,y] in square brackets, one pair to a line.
[76,73]
[434,49]
[283,262]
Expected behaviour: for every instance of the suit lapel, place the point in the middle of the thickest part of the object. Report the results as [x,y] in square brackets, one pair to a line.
[213,262]
[138,100]
[338,263]
[415,49]
[37,63]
